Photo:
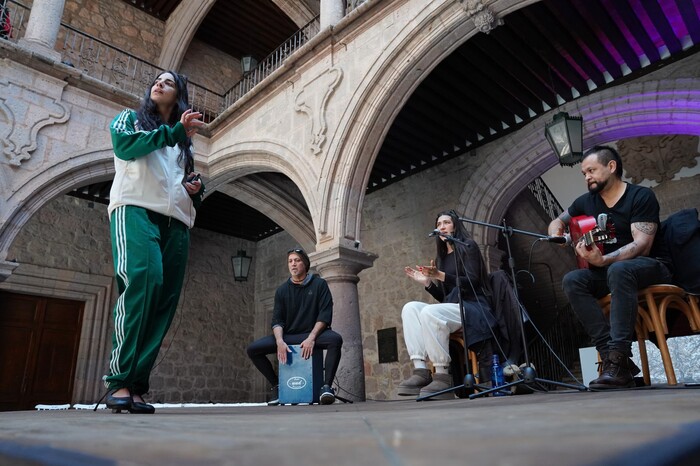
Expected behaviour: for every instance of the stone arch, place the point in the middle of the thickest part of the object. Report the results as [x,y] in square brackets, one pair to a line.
[407,61]
[73,171]
[230,171]
[297,10]
[179,31]
[666,106]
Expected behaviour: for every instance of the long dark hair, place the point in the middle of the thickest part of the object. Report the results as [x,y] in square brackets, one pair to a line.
[460,233]
[149,117]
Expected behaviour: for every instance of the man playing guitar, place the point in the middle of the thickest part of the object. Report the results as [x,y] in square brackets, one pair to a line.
[622,268]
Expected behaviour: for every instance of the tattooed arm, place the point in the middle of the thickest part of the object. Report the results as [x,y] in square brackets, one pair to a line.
[643,237]
[557,226]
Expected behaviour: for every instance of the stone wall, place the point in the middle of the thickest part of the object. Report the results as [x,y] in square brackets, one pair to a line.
[678,194]
[396,222]
[140,34]
[116,23]
[67,233]
[203,356]
[210,67]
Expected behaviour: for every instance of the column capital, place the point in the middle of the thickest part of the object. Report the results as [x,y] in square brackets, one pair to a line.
[341,263]
[6,269]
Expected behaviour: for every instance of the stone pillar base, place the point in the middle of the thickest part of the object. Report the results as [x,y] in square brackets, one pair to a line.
[40,49]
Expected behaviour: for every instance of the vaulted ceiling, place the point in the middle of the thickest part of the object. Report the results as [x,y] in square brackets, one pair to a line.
[545,54]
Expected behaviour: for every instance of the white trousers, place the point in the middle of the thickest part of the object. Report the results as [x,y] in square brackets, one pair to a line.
[427,329]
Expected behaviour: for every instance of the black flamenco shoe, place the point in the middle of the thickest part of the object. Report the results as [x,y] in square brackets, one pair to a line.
[118,403]
[140,407]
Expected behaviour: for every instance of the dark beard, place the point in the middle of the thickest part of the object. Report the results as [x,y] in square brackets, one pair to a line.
[599,186]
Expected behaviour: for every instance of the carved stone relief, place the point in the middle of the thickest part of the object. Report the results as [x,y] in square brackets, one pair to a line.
[313,101]
[657,158]
[484,19]
[36,108]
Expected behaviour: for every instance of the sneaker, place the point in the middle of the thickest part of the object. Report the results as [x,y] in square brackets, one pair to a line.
[412,385]
[327,395]
[274,396]
[440,382]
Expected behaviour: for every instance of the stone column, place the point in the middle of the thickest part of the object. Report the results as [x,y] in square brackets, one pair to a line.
[332,11]
[42,28]
[339,267]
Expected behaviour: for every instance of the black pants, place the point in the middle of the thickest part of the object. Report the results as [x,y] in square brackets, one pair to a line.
[327,340]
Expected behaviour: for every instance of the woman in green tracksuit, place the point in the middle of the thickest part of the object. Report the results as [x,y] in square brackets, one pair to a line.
[152,207]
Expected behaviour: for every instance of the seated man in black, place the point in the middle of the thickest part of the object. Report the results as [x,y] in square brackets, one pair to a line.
[302,316]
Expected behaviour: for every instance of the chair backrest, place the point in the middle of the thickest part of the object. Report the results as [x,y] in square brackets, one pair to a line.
[506,309]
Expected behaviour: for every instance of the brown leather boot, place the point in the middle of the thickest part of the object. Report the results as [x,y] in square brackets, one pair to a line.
[616,373]
[604,355]
[413,384]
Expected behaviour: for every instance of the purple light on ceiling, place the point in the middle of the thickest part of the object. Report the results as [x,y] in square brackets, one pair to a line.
[674,17]
[617,19]
[647,23]
[600,34]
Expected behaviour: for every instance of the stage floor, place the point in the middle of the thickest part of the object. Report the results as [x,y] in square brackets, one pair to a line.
[637,427]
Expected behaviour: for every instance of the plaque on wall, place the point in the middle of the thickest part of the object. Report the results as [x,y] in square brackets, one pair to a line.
[386,345]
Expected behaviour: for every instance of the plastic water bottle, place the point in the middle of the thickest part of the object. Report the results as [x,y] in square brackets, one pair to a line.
[497,378]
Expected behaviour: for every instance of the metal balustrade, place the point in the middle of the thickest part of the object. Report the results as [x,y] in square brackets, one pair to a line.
[106,63]
[272,62]
[545,198]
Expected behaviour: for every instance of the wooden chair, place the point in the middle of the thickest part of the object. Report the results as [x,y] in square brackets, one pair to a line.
[654,302]
[456,337]
[694,303]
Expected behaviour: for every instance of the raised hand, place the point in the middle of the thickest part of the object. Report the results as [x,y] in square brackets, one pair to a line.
[431,271]
[190,120]
[417,276]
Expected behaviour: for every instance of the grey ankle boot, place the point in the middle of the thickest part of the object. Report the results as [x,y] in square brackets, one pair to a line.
[413,384]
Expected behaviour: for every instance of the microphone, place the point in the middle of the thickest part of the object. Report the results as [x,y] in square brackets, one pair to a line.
[566,239]
[435,232]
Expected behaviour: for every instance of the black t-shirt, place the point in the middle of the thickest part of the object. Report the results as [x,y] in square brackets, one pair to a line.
[637,204]
[299,307]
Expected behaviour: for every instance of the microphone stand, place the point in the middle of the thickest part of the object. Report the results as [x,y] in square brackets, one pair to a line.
[469,382]
[529,375]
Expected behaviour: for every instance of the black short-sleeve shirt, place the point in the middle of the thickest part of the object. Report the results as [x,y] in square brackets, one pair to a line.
[637,204]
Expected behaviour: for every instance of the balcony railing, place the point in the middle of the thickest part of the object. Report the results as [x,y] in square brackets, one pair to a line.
[273,61]
[545,197]
[101,61]
[110,65]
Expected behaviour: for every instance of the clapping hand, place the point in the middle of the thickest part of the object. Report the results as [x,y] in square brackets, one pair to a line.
[417,276]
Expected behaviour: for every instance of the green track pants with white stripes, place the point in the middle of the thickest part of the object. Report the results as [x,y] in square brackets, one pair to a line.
[150,254]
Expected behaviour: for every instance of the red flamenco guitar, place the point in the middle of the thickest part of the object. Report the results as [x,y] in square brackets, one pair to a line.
[592,232]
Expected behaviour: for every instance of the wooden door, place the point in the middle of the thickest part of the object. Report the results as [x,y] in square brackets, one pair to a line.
[39,340]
